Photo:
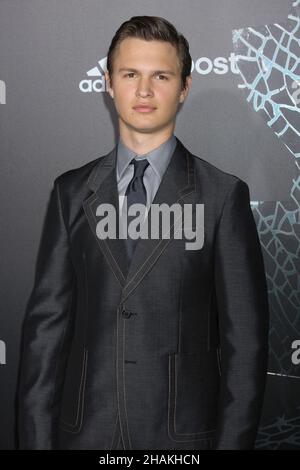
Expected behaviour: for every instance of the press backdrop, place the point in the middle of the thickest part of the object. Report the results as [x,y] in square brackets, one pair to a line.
[242,115]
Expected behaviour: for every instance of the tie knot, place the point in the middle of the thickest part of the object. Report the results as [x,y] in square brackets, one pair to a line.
[139,167]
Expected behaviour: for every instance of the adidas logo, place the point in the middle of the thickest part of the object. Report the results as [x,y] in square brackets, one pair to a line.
[97,81]
[2,92]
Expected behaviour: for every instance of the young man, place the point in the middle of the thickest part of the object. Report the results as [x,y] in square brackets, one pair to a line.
[143,343]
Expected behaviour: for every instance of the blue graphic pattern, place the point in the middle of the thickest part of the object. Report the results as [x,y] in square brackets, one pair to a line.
[268,60]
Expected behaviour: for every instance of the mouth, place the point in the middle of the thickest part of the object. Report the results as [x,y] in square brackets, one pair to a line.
[144,109]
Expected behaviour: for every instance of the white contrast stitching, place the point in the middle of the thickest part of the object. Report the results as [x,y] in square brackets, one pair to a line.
[81,394]
[124,323]
[172,432]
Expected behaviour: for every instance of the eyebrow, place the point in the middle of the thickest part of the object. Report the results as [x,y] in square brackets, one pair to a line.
[167,72]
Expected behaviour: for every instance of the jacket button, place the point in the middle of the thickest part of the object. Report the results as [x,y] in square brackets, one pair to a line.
[126,314]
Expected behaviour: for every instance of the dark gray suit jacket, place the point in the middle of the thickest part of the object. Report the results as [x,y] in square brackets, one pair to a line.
[167,353]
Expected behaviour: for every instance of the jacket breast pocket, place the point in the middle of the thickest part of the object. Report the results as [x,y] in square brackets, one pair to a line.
[193,395]
[73,399]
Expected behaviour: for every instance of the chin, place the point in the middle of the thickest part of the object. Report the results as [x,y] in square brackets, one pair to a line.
[145,130]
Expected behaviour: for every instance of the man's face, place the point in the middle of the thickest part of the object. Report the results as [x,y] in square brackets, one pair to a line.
[146,73]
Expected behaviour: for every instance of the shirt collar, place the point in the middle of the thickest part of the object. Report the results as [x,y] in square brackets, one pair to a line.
[158,158]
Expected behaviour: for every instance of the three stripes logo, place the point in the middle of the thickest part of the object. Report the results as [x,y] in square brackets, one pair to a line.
[96,79]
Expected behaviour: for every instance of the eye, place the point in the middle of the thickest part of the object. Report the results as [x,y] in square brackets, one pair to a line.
[163,76]
[127,74]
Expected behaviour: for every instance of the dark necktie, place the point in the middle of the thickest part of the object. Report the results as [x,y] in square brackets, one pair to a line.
[136,194]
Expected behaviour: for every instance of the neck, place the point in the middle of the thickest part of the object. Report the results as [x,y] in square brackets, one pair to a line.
[144,143]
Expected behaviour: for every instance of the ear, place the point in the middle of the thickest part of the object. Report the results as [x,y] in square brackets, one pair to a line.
[108,85]
[184,93]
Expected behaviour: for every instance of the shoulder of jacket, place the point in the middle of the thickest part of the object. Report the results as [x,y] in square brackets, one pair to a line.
[215,174]
[77,174]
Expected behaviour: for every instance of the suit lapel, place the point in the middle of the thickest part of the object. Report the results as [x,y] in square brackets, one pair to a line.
[102,181]
[177,186]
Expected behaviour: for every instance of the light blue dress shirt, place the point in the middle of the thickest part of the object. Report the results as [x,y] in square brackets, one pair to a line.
[158,158]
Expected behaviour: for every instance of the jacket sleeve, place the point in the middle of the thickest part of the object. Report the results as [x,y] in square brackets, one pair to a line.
[46,334]
[243,314]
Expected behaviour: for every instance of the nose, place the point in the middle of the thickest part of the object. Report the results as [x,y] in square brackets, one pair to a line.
[144,88]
